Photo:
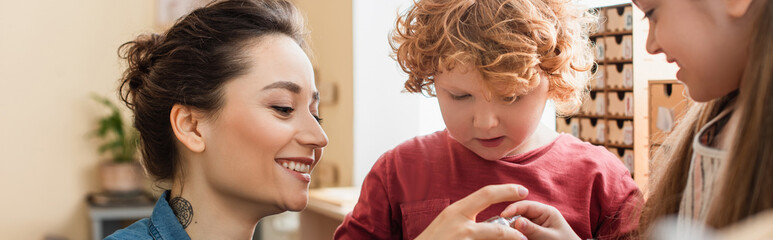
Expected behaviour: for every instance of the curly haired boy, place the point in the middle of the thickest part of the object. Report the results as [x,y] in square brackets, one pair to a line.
[493,64]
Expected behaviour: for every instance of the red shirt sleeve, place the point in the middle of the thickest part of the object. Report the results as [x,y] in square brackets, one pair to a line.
[621,201]
[371,217]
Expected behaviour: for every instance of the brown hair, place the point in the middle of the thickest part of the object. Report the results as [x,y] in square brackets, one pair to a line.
[190,63]
[511,43]
[745,186]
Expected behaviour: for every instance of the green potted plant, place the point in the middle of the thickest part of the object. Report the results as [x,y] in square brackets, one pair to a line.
[121,173]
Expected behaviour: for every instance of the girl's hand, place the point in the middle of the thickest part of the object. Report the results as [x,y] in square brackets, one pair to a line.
[539,221]
[457,221]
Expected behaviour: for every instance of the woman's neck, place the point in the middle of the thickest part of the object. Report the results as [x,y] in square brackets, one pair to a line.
[207,214]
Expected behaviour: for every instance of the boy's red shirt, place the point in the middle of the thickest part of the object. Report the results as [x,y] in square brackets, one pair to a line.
[412,183]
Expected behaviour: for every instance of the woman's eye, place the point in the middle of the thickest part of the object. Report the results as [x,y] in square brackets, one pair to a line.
[459,97]
[283,110]
[319,120]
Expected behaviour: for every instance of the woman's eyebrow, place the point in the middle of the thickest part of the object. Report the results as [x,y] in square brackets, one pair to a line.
[315,96]
[290,86]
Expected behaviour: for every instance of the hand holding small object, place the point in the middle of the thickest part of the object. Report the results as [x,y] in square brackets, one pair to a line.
[457,221]
[539,221]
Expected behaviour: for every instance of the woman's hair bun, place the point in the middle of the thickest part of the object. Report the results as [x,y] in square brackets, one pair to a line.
[139,54]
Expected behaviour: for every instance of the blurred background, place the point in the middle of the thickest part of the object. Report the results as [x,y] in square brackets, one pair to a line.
[55,55]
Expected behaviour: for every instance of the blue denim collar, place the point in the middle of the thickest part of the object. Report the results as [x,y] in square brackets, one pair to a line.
[163,223]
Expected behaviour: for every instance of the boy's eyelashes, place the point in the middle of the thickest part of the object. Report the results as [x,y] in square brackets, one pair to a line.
[460,97]
[510,99]
[286,111]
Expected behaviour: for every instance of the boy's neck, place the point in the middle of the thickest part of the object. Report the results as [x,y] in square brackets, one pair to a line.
[540,137]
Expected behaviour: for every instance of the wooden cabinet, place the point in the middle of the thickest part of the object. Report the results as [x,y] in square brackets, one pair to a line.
[616,113]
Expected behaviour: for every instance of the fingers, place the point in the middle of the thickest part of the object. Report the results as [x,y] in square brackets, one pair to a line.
[528,228]
[471,205]
[495,231]
[536,212]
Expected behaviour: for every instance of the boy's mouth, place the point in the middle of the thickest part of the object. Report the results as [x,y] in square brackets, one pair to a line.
[491,142]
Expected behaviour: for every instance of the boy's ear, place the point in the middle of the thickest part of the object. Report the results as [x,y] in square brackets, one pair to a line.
[185,124]
[737,8]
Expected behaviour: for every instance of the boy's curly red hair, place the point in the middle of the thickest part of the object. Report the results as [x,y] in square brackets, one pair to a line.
[511,43]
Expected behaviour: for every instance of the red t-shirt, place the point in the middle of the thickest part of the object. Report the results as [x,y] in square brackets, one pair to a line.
[411,184]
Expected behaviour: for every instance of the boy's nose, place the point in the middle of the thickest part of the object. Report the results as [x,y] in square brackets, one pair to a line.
[485,119]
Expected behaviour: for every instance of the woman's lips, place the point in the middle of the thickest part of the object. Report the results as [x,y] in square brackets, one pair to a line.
[491,142]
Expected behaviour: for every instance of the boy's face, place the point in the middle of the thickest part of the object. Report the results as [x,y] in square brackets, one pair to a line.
[492,128]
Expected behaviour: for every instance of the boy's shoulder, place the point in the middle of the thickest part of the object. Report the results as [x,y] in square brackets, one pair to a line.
[424,148]
[576,151]
[431,142]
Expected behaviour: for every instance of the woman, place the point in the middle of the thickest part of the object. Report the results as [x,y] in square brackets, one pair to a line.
[226,107]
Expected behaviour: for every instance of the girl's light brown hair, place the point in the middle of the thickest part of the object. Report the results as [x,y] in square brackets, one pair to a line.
[511,42]
[746,185]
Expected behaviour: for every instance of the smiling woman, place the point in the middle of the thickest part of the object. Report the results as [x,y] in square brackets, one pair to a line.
[227,111]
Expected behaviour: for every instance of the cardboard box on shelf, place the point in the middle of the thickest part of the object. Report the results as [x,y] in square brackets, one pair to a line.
[601,25]
[595,104]
[619,18]
[618,47]
[625,155]
[619,75]
[620,132]
[620,104]
[667,104]
[600,49]
[568,125]
[593,130]
[599,77]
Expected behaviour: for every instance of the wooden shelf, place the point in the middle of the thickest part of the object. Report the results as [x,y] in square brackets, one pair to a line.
[604,34]
[615,61]
[612,117]
[619,89]
[614,145]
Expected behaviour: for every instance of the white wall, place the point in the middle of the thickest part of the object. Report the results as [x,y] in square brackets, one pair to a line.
[53,54]
[383,115]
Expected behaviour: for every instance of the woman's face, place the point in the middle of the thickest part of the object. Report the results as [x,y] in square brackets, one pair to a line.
[492,128]
[263,144]
[708,45]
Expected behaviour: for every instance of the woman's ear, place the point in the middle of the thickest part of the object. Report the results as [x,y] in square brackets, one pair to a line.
[185,124]
[737,8]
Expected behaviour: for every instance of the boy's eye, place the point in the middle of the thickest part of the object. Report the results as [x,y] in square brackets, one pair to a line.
[283,110]
[459,97]
[510,99]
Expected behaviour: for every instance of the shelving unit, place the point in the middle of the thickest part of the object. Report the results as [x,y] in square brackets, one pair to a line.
[615,115]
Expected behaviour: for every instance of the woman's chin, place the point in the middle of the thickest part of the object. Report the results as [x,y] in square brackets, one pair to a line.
[296,206]
[296,203]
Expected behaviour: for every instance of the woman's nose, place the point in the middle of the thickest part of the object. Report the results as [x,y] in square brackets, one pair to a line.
[312,134]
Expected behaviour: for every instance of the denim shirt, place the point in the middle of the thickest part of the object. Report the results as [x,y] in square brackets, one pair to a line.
[162,225]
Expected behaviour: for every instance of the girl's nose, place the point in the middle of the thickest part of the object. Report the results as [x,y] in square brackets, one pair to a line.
[653,47]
